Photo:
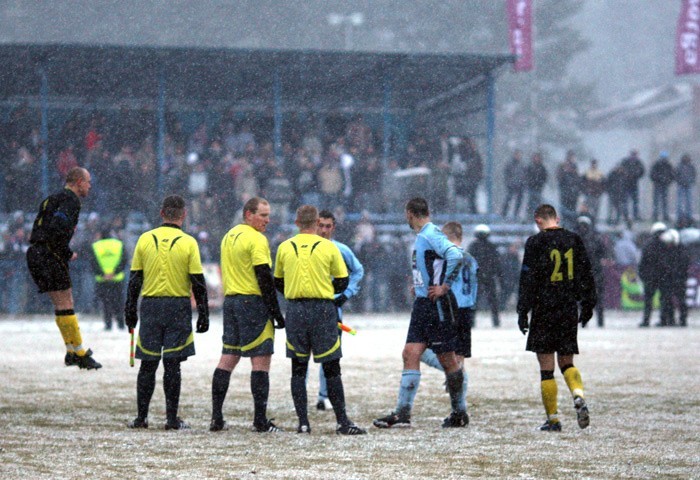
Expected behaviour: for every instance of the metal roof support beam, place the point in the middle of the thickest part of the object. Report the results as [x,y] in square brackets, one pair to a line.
[44,99]
[277,104]
[161,129]
[441,98]
[490,132]
[386,114]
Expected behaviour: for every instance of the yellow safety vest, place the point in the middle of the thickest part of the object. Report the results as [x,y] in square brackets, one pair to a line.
[108,253]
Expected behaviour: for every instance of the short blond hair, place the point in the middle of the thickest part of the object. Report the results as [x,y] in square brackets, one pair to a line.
[307,216]
[453,230]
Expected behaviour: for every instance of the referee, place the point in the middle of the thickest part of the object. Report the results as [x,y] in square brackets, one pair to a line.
[304,267]
[555,279]
[48,257]
[165,266]
[250,309]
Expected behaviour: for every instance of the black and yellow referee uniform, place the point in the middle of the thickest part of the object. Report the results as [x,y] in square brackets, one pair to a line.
[309,270]
[165,267]
[250,302]
[250,308]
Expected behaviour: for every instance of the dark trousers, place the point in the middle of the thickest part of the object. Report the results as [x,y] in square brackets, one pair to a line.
[488,290]
[673,295]
[600,293]
[660,202]
[650,289]
[515,194]
[110,294]
[633,195]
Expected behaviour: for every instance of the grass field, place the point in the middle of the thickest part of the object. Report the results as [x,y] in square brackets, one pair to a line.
[642,389]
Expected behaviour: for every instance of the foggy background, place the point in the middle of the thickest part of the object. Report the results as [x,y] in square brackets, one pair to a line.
[589,54]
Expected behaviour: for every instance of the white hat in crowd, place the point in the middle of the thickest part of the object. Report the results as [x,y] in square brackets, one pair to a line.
[658,227]
[671,237]
[482,229]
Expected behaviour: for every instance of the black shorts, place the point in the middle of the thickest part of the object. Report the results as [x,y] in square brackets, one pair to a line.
[554,330]
[248,331]
[312,327]
[48,270]
[432,325]
[165,328]
[464,318]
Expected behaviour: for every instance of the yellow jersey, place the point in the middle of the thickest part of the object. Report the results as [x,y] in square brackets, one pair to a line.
[167,256]
[308,263]
[243,248]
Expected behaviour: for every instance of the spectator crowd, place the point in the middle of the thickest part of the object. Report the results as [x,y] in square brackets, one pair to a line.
[333,162]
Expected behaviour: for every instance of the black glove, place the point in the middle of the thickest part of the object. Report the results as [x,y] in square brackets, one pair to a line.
[340,300]
[523,323]
[131,319]
[202,322]
[278,320]
[585,315]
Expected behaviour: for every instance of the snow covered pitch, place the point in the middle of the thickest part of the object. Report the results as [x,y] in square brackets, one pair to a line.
[642,388]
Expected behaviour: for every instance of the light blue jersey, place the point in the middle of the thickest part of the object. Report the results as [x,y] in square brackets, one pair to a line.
[435,260]
[355,269]
[466,285]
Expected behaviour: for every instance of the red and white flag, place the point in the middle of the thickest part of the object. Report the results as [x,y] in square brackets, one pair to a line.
[520,33]
[688,38]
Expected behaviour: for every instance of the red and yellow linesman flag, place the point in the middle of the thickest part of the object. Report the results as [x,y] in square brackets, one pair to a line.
[520,33]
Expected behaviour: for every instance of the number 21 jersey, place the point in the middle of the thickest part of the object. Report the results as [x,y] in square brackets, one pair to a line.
[556,272]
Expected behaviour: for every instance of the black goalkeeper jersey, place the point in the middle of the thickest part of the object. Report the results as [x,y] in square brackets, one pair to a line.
[56,221]
[556,273]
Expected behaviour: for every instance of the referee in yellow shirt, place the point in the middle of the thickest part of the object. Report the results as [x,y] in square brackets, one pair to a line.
[250,310]
[165,266]
[310,270]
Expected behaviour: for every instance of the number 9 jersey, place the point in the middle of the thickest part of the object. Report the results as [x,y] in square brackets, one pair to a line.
[556,274]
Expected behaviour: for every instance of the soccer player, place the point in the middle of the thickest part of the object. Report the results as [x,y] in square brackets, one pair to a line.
[48,257]
[462,301]
[326,229]
[310,270]
[436,265]
[555,279]
[251,311]
[166,265]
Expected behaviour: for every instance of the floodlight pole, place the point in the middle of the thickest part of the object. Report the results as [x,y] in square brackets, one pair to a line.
[348,22]
[44,100]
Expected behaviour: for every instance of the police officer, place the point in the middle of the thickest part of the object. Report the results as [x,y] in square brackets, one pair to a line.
[166,265]
[489,260]
[596,253]
[675,277]
[108,263]
[651,269]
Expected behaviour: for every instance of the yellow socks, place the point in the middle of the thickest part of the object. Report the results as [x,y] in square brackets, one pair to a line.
[67,322]
[549,398]
[573,380]
[65,333]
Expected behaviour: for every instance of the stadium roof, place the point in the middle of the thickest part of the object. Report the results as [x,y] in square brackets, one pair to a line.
[309,79]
